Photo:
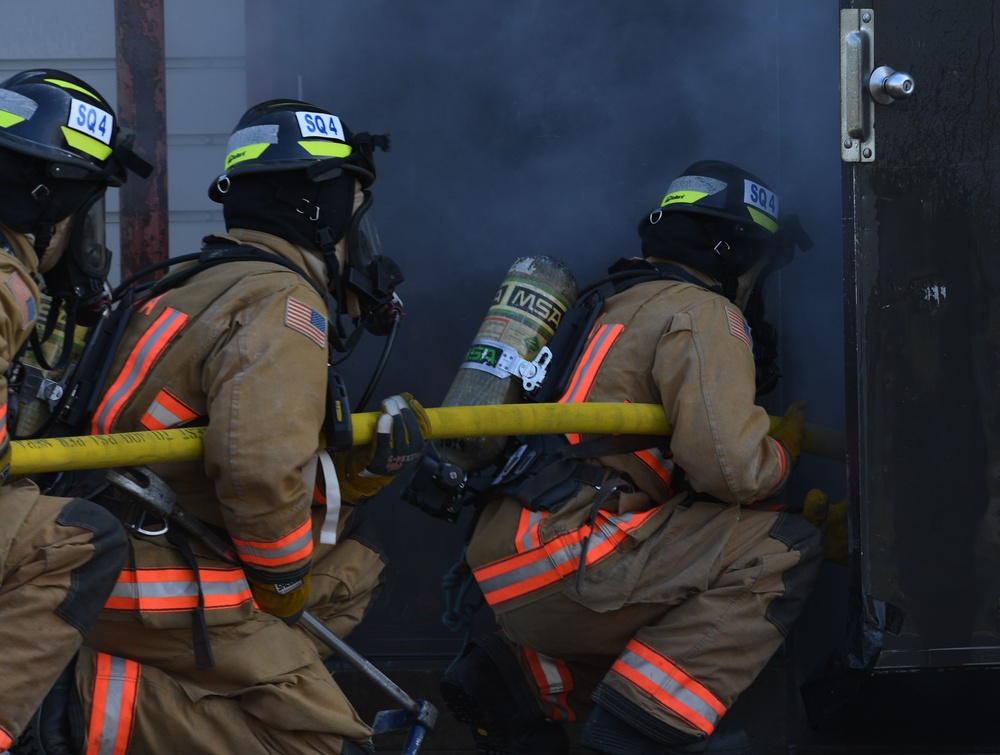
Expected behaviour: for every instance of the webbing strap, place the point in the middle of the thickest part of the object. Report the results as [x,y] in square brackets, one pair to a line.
[566,464]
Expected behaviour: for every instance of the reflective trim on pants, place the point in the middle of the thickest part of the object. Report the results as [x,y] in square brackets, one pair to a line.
[112,712]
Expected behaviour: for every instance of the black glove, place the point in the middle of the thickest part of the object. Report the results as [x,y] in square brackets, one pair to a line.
[398,442]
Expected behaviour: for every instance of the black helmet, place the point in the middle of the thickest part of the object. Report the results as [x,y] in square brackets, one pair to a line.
[55,117]
[61,147]
[285,135]
[721,219]
[292,171]
[719,189]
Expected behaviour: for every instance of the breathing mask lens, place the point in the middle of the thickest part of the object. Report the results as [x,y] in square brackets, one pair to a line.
[79,276]
[86,244]
[370,276]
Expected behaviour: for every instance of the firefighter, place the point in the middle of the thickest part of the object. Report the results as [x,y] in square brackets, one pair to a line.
[192,652]
[640,591]
[61,147]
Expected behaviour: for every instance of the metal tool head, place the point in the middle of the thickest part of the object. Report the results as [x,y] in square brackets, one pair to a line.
[144,484]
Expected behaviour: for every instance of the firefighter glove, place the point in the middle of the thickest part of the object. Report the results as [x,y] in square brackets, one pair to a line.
[399,441]
[4,462]
[788,431]
[831,520]
[286,600]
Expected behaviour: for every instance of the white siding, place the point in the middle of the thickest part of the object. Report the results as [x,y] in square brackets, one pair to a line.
[205,48]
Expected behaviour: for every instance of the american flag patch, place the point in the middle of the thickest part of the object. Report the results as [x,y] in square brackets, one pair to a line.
[305,319]
[739,328]
[24,298]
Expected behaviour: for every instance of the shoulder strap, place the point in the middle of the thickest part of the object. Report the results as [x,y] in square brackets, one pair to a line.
[337,425]
[212,254]
[570,338]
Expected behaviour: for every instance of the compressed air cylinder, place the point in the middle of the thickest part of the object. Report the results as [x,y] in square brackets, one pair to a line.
[508,355]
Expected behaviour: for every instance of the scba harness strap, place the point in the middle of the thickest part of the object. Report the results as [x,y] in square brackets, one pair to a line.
[80,390]
[544,471]
[83,389]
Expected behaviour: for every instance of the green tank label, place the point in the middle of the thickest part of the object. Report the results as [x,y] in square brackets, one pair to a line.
[484,354]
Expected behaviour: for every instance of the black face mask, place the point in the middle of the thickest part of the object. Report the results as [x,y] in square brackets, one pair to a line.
[287,205]
[35,195]
[317,215]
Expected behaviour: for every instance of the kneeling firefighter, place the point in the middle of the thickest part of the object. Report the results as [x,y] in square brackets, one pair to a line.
[193,652]
[61,147]
[636,588]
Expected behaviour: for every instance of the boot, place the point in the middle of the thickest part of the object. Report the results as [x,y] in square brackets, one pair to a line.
[56,728]
[605,732]
[499,707]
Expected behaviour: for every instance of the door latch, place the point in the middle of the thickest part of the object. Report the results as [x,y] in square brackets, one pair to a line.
[861,88]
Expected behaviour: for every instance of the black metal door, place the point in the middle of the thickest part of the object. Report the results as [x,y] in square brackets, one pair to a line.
[923,329]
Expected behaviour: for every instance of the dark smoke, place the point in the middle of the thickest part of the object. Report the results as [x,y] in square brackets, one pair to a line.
[551,127]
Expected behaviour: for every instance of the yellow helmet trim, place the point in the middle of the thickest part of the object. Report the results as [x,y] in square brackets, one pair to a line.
[87,144]
[9,119]
[682,197]
[763,220]
[247,152]
[69,85]
[326,148]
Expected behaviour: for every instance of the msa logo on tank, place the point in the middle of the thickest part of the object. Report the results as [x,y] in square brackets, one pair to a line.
[487,354]
[760,198]
[91,121]
[531,301]
[320,126]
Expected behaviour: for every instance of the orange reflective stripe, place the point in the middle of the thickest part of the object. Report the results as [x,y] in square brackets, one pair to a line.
[3,424]
[598,346]
[655,465]
[5,739]
[524,573]
[297,545]
[112,712]
[166,411]
[668,686]
[784,467]
[176,589]
[554,682]
[149,348]
[527,536]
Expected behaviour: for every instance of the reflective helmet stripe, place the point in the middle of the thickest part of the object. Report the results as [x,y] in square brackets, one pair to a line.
[326,148]
[86,144]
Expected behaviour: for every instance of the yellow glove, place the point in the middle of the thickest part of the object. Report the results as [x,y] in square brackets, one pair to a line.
[286,600]
[831,520]
[4,462]
[788,431]
[399,441]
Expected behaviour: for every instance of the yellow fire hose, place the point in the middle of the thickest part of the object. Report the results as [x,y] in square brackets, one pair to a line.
[158,446]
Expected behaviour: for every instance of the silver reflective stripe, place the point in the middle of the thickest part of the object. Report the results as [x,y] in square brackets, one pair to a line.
[263,134]
[529,539]
[162,590]
[555,685]
[117,680]
[671,687]
[162,415]
[17,104]
[273,554]
[702,184]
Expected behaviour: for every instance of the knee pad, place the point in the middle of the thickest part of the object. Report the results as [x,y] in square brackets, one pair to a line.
[92,582]
[798,535]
